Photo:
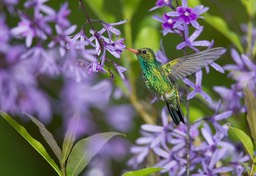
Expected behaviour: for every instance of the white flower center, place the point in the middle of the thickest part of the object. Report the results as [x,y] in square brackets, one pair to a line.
[186,14]
[166,1]
[170,21]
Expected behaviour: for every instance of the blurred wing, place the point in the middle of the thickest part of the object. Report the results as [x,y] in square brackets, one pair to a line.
[182,67]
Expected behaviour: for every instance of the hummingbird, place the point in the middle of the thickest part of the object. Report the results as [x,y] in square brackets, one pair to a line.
[161,80]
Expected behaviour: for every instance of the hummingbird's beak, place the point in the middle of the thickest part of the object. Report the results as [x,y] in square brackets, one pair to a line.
[133,50]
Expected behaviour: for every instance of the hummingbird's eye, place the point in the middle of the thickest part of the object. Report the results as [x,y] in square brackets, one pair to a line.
[144,52]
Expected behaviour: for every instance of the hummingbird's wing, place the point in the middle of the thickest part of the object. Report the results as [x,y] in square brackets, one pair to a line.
[182,67]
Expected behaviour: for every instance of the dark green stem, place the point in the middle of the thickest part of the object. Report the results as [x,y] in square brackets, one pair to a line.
[188,134]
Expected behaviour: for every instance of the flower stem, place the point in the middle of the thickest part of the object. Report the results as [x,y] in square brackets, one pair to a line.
[252,168]
[188,134]
[249,36]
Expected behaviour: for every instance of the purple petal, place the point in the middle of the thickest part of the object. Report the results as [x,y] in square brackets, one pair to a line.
[248,63]
[206,97]
[161,152]
[157,140]
[199,78]
[177,24]
[236,57]
[207,136]
[214,159]
[158,18]
[173,14]
[222,170]
[184,3]
[201,43]
[223,115]
[144,140]
[119,23]
[188,82]
[181,45]
[152,128]
[217,67]
[164,117]
[196,33]
[195,24]
[191,95]
[142,155]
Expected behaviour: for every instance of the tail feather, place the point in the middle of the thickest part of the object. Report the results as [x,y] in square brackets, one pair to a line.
[176,113]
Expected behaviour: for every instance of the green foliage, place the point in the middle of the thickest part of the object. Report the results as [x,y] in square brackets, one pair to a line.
[220,25]
[245,139]
[142,172]
[143,38]
[98,8]
[250,6]
[33,142]
[130,7]
[250,103]
[68,143]
[47,136]
[85,150]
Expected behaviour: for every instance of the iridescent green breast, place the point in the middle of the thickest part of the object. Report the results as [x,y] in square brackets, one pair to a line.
[157,82]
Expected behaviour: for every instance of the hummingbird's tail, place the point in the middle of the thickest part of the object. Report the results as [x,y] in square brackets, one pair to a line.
[175,113]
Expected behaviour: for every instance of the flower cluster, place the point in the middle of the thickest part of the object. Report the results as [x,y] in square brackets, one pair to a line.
[46,66]
[52,49]
[243,72]
[211,152]
[177,21]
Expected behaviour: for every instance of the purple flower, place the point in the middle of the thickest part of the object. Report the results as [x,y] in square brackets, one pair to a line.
[62,38]
[120,70]
[209,166]
[158,131]
[111,30]
[221,129]
[162,3]
[115,48]
[30,28]
[121,114]
[45,60]
[244,71]
[18,87]
[168,24]
[39,6]
[60,17]
[4,32]
[76,99]
[197,88]
[188,15]
[231,98]
[189,40]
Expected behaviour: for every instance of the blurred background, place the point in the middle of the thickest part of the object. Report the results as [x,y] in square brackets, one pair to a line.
[17,157]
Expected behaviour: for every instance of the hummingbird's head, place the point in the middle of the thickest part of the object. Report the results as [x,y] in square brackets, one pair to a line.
[145,54]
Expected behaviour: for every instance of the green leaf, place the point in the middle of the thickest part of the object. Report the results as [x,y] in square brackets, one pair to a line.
[68,142]
[129,7]
[250,103]
[245,139]
[85,150]
[220,25]
[143,39]
[142,172]
[33,142]
[98,8]
[250,6]
[254,50]
[47,136]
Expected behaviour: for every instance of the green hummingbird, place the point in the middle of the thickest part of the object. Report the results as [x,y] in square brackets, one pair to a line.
[161,80]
